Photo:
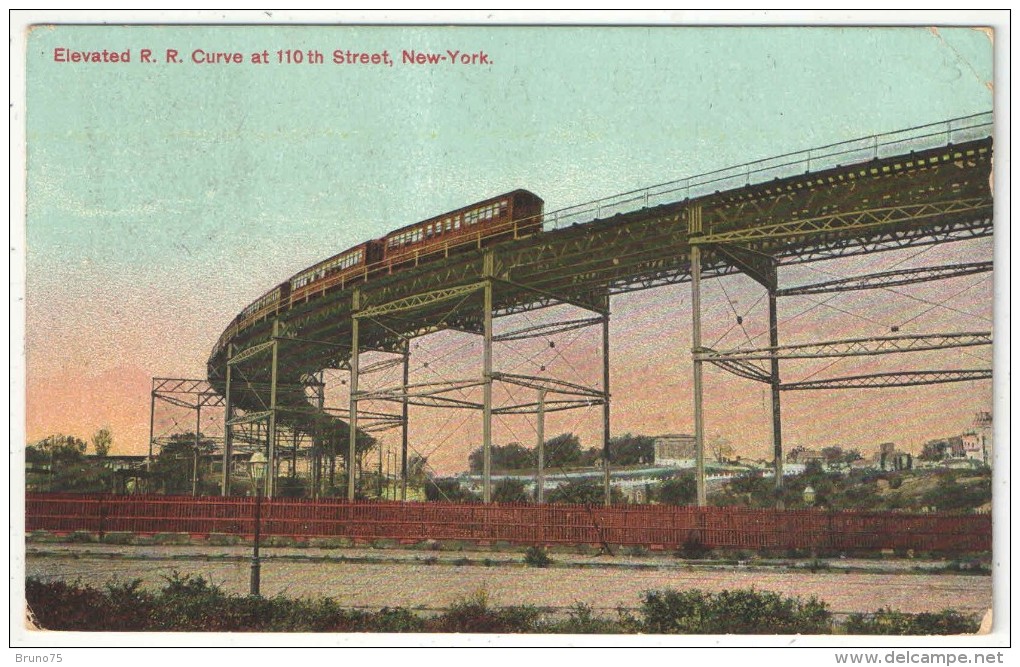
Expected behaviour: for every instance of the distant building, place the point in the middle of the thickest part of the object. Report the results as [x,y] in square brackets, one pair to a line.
[982,447]
[805,456]
[676,450]
[973,447]
[889,458]
[120,461]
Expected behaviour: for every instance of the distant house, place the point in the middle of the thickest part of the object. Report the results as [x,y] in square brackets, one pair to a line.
[805,456]
[120,461]
[676,450]
[977,443]
[889,458]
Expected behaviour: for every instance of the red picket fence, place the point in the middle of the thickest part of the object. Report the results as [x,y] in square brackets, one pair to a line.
[657,526]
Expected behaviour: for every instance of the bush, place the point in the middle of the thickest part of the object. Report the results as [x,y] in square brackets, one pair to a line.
[888,622]
[745,611]
[536,556]
[473,614]
[61,606]
[693,548]
[192,603]
[682,490]
[583,621]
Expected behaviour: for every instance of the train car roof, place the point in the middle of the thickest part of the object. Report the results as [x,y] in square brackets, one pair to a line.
[464,208]
[332,257]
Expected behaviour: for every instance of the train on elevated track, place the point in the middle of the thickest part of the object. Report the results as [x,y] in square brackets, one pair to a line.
[512,215]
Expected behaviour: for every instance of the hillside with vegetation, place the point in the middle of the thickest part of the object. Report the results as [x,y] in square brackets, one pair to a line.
[941,490]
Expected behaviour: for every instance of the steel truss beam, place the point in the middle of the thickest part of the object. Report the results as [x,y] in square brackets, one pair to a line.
[207,399]
[736,367]
[418,300]
[885,240]
[381,365]
[180,386]
[250,352]
[899,379]
[419,390]
[546,406]
[250,417]
[311,341]
[547,329]
[553,297]
[549,385]
[174,401]
[853,347]
[889,279]
[847,221]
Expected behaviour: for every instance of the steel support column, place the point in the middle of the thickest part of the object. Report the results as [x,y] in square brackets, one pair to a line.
[194,462]
[487,389]
[540,430]
[152,428]
[606,454]
[271,427]
[699,423]
[317,440]
[228,442]
[777,422]
[404,421]
[352,450]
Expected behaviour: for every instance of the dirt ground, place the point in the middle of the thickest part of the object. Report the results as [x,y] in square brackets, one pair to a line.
[373,578]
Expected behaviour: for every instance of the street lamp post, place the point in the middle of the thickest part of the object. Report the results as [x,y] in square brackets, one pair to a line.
[257,465]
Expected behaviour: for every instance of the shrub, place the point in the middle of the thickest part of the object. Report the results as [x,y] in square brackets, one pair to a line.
[888,622]
[473,614]
[693,547]
[117,538]
[815,565]
[967,566]
[536,556]
[61,606]
[744,611]
[190,602]
[582,620]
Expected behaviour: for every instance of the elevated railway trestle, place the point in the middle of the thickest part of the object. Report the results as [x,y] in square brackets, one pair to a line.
[917,187]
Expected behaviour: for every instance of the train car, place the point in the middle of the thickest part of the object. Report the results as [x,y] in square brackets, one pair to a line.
[509,216]
[512,215]
[338,271]
[267,305]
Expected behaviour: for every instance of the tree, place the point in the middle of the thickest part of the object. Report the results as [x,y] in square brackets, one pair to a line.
[174,466]
[852,455]
[627,449]
[56,450]
[509,491]
[833,454]
[416,467]
[563,451]
[681,490]
[332,441]
[447,490]
[590,457]
[584,493]
[504,458]
[69,470]
[101,441]
[721,448]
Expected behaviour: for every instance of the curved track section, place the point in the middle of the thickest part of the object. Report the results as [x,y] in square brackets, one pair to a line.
[920,186]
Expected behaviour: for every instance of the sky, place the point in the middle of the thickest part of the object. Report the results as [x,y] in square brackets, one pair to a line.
[162,197]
